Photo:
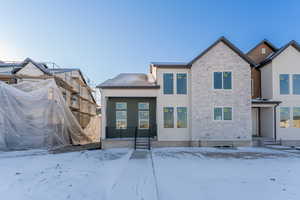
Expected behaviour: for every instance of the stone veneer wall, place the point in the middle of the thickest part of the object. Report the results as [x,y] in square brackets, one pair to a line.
[205,98]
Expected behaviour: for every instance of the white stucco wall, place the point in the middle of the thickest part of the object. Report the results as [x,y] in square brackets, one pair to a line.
[204,98]
[267,81]
[172,100]
[267,122]
[288,62]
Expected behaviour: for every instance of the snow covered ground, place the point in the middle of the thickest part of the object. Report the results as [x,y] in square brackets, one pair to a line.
[163,174]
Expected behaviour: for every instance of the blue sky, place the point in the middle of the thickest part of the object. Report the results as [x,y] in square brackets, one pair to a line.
[107,37]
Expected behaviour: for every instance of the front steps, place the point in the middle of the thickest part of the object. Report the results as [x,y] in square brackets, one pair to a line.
[271,142]
[142,143]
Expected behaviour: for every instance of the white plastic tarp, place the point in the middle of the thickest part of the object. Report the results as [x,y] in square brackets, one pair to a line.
[35,115]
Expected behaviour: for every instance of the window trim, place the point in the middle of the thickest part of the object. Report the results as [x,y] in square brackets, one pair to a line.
[222,120]
[222,89]
[187,83]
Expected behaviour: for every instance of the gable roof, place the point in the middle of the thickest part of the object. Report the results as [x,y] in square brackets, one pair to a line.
[292,43]
[267,42]
[130,81]
[40,66]
[230,45]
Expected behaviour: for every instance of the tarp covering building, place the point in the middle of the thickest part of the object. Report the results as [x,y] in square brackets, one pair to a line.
[35,115]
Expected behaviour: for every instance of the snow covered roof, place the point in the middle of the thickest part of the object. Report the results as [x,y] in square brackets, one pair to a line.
[130,80]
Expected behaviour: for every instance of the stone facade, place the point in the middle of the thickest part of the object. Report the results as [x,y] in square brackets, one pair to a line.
[204,98]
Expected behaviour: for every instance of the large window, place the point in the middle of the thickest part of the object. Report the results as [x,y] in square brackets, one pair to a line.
[121,115]
[222,80]
[181,117]
[143,115]
[296,83]
[168,83]
[284,117]
[296,117]
[223,113]
[181,83]
[168,117]
[284,83]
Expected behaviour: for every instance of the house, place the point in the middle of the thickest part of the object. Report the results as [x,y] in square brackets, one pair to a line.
[278,77]
[75,89]
[223,97]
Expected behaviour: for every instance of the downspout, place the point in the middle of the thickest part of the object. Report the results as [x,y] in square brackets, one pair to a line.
[275,123]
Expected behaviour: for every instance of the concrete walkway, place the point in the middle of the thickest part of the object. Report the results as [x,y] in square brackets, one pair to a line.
[137,180]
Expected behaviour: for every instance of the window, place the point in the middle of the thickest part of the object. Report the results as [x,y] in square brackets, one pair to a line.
[227,113]
[263,50]
[168,117]
[121,106]
[143,106]
[143,115]
[227,80]
[222,80]
[284,83]
[218,80]
[181,117]
[296,117]
[218,114]
[296,83]
[223,113]
[181,83]
[121,115]
[168,83]
[284,117]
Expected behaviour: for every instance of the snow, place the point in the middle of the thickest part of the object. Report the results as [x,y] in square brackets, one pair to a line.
[162,174]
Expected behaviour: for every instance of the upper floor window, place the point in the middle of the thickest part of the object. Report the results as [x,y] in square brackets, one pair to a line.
[296,83]
[181,83]
[284,83]
[168,83]
[222,80]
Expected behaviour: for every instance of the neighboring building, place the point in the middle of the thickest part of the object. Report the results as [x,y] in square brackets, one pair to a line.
[75,89]
[280,81]
[223,97]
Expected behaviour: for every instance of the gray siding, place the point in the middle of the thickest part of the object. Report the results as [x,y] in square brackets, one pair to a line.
[132,117]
